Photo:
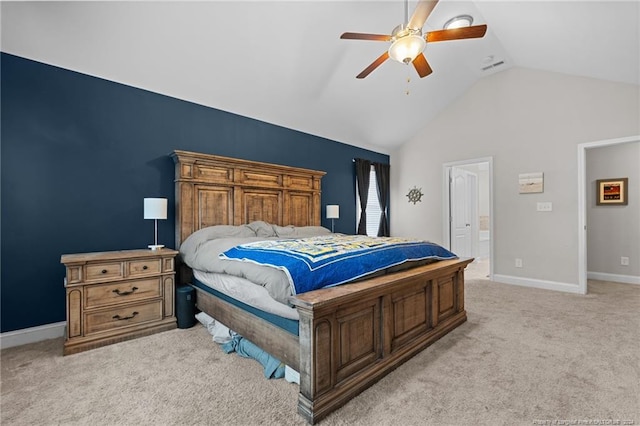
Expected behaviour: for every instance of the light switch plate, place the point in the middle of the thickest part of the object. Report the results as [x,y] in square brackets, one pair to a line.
[546,206]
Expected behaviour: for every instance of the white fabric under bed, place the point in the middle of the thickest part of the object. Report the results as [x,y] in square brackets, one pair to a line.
[247,292]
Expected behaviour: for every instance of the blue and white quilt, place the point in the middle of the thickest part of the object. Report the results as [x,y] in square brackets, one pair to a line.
[329,260]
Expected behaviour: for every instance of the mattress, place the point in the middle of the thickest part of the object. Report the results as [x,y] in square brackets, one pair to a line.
[286,324]
[246,292]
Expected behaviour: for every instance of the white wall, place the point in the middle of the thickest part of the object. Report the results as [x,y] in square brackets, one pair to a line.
[613,231]
[529,121]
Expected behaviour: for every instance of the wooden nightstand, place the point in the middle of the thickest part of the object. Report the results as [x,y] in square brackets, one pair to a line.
[118,295]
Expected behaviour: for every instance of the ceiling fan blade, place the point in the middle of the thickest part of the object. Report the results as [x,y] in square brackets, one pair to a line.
[422,66]
[421,13]
[475,31]
[375,64]
[363,36]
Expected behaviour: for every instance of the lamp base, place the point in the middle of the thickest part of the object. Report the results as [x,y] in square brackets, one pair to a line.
[155,246]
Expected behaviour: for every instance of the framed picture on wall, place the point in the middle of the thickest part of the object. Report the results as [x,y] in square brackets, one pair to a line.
[529,183]
[612,191]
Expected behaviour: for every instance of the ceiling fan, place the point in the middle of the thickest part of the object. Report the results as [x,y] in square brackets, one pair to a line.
[408,42]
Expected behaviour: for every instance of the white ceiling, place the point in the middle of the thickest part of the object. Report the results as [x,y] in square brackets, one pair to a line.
[283,61]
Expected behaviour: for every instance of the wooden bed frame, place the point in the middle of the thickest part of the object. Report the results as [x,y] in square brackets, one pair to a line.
[350,336]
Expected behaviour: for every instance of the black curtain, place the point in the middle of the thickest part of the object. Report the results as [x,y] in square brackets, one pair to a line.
[363,170]
[382,179]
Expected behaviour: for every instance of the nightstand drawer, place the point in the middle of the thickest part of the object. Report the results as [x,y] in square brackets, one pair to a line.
[115,318]
[122,292]
[143,267]
[103,271]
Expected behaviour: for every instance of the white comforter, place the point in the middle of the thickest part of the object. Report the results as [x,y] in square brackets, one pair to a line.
[201,249]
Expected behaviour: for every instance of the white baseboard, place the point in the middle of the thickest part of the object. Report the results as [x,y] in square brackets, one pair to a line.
[601,276]
[535,283]
[32,335]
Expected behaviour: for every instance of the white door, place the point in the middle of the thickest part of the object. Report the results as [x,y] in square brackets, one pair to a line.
[464,205]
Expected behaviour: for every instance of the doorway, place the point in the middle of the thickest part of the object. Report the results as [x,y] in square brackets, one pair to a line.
[582,203]
[467,212]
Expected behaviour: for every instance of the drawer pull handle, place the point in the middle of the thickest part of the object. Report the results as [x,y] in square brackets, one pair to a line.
[104,271]
[125,293]
[119,318]
[145,267]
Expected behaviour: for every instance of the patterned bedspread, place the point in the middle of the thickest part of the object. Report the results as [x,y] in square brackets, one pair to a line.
[329,260]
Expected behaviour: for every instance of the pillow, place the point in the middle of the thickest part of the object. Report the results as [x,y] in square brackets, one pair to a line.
[300,231]
[262,229]
[201,236]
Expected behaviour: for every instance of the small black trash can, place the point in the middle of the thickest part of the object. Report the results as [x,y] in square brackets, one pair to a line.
[185,306]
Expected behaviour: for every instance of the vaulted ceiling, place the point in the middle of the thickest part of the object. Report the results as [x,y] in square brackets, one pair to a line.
[283,61]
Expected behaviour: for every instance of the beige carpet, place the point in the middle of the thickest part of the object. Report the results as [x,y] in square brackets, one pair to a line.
[524,357]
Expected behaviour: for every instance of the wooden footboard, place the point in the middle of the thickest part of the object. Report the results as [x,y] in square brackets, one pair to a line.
[353,335]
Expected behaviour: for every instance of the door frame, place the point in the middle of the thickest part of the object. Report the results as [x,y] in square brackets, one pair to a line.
[446,203]
[582,202]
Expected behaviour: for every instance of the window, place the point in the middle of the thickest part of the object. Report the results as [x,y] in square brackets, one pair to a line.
[373,206]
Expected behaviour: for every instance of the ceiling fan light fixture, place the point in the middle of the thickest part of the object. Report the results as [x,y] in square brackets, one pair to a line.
[459,21]
[405,49]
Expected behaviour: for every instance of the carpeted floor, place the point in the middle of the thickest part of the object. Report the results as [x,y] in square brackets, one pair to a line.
[524,357]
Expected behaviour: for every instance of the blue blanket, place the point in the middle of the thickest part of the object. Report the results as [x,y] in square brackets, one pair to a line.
[329,260]
[273,368]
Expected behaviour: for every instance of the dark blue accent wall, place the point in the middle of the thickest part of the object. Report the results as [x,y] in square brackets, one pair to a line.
[80,153]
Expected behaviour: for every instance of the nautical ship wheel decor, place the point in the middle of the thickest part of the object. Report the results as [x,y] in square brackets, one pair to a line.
[415,195]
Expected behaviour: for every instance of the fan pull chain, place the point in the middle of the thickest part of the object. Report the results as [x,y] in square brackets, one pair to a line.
[407,91]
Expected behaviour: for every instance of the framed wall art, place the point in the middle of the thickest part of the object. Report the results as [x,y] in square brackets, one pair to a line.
[529,183]
[612,191]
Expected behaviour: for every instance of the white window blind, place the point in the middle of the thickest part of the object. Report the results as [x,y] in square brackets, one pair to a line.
[373,206]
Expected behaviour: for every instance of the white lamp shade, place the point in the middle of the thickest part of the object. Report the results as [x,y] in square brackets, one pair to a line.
[405,49]
[155,208]
[333,211]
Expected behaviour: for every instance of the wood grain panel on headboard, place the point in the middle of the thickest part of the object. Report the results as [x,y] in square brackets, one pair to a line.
[214,190]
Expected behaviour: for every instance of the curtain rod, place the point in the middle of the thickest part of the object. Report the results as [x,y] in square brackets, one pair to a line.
[353,160]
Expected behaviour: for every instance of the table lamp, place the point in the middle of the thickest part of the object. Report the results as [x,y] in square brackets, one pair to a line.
[155,208]
[333,212]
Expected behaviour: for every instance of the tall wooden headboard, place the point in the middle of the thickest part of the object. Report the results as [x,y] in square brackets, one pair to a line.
[214,190]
